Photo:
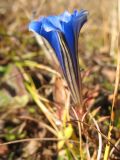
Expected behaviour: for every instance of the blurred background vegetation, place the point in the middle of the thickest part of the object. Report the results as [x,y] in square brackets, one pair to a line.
[31,87]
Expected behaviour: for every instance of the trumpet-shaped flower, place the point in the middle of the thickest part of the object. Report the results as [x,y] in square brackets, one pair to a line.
[62,33]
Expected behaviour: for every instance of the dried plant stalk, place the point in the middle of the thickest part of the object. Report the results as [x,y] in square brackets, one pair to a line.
[117,80]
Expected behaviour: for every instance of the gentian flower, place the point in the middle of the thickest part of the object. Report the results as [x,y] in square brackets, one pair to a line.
[62,33]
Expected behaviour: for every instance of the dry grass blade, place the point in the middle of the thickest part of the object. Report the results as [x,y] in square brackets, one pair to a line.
[117,80]
[112,150]
[31,139]
[40,66]
[39,139]
[97,131]
[32,90]
[79,129]
[40,123]
[44,109]
[87,150]
[99,137]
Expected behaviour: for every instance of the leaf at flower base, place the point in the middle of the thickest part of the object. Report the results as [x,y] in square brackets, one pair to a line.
[64,134]
[65,154]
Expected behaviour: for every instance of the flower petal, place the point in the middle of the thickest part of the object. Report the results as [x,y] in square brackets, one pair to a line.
[35,26]
[50,35]
[62,33]
[78,20]
[51,23]
[65,17]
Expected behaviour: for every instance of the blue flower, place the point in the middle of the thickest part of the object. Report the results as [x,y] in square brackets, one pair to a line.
[62,33]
